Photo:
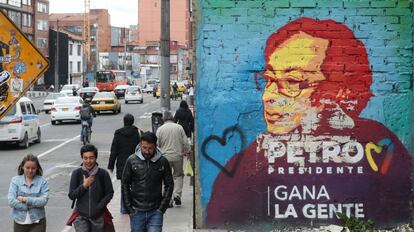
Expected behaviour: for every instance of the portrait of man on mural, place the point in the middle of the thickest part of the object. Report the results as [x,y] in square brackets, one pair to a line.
[318,157]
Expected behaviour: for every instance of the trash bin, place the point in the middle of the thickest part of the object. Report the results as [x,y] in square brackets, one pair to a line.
[156,121]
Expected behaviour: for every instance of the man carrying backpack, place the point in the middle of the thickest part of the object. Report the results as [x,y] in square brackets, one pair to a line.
[86,113]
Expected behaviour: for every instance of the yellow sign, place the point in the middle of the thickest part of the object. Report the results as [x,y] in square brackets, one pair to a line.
[21,64]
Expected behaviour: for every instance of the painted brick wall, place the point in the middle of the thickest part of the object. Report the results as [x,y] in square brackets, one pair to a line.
[302,85]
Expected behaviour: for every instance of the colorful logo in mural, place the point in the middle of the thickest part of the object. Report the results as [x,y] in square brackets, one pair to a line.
[318,157]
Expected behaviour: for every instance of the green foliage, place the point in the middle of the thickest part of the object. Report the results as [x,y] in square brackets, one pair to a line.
[355,224]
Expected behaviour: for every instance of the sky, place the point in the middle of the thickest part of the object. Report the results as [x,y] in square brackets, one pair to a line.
[123,12]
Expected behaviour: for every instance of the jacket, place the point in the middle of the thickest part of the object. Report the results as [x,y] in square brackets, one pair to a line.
[142,182]
[37,196]
[172,141]
[126,139]
[185,118]
[91,202]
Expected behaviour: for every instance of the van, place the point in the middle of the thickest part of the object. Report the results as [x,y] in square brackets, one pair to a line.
[20,125]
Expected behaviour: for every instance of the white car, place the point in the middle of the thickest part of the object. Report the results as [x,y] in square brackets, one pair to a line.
[133,93]
[68,89]
[149,85]
[66,108]
[21,124]
[50,100]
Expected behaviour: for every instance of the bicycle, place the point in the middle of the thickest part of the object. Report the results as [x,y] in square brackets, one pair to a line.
[86,132]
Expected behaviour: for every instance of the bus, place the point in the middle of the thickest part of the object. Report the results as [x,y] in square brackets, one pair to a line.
[107,80]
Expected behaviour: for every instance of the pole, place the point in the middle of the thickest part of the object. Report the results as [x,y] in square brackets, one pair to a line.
[125,49]
[97,47]
[57,58]
[165,55]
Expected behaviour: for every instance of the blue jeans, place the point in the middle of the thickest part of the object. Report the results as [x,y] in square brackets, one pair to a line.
[150,221]
[90,126]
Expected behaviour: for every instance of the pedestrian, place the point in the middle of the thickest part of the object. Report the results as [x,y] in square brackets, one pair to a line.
[28,195]
[175,90]
[143,177]
[74,93]
[91,189]
[173,143]
[125,140]
[52,88]
[184,117]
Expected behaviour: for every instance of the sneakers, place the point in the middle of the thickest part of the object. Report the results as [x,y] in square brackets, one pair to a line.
[177,200]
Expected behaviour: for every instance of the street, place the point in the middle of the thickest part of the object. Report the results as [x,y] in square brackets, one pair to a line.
[59,156]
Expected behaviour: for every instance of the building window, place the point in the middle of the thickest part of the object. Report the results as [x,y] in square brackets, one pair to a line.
[79,49]
[70,49]
[3,1]
[17,3]
[42,25]
[79,66]
[16,17]
[26,20]
[70,67]
[41,43]
[27,2]
[41,7]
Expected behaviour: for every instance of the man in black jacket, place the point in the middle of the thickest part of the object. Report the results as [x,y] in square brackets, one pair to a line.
[92,189]
[142,181]
[126,139]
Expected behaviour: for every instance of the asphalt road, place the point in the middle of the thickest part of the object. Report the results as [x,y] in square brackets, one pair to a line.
[59,156]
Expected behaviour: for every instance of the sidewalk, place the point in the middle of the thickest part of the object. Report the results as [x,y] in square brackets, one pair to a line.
[177,219]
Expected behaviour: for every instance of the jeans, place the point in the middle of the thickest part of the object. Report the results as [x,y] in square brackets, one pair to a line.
[123,210]
[90,126]
[83,224]
[150,221]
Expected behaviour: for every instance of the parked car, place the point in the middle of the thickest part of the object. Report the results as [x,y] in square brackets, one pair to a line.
[120,90]
[68,89]
[106,101]
[20,125]
[50,100]
[88,93]
[66,108]
[133,93]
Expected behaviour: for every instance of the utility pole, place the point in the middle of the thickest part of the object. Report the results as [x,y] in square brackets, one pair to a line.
[125,50]
[57,57]
[165,55]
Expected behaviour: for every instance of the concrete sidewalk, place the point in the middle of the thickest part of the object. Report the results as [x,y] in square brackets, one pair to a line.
[177,219]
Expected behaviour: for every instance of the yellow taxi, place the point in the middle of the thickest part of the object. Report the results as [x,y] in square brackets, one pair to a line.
[158,93]
[181,87]
[106,101]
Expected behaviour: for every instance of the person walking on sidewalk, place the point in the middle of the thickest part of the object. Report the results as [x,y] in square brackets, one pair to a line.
[184,117]
[91,188]
[173,143]
[143,177]
[125,140]
[28,194]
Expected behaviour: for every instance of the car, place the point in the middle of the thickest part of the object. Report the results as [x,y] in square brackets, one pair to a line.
[158,93]
[181,87]
[68,89]
[149,85]
[50,100]
[120,90]
[133,93]
[20,125]
[88,93]
[106,101]
[66,109]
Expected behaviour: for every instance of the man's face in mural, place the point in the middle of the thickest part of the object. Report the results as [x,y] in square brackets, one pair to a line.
[295,70]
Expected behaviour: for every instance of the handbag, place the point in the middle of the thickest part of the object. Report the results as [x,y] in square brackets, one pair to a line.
[188,169]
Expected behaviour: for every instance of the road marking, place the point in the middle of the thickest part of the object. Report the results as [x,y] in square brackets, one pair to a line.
[146,115]
[46,124]
[54,140]
[67,229]
[58,146]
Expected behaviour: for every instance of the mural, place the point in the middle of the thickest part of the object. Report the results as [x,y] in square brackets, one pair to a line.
[316,155]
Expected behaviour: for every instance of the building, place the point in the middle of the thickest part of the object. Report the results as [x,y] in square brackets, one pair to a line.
[100,30]
[149,21]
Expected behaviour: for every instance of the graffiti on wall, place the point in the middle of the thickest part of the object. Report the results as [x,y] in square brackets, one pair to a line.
[317,157]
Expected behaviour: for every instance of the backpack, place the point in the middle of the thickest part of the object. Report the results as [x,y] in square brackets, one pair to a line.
[84,113]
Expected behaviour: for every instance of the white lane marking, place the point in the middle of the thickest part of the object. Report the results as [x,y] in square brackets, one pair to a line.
[54,140]
[46,124]
[146,115]
[67,229]
[58,146]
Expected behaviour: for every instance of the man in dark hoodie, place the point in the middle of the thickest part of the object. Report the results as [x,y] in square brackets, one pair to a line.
[143,178]
[126,139]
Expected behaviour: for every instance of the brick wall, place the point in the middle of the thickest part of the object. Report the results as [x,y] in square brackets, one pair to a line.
[322,74]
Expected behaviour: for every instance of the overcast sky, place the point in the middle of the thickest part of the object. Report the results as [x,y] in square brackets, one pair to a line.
[123,12]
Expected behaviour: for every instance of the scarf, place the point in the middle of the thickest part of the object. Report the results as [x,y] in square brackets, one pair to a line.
[91,172]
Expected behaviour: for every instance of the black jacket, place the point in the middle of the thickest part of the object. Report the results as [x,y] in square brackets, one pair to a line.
[126,139]
[142,182]
[91,202]
[185,118]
